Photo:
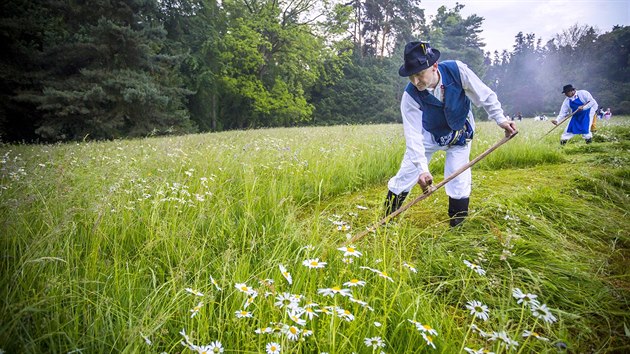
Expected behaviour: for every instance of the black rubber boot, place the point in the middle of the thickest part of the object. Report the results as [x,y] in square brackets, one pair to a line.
[457,210]
[589,140]
[394,202]
[563,142]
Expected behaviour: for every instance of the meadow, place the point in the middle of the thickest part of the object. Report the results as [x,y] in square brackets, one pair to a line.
[235,242]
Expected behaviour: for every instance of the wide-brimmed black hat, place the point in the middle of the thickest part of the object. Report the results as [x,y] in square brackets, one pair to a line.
[418,56]
[567,88]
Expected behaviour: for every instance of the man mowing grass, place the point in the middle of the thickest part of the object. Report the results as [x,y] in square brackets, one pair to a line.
[436,116]
[584,106]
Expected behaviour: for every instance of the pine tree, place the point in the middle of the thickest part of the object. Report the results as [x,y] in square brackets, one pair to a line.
[108,74]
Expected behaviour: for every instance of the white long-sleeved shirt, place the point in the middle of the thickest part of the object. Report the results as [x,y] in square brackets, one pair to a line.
[584,96]
[478,93]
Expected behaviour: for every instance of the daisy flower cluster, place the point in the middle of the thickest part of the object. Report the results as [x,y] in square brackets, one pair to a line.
[428,333]
[539,311]
[480,311]
[293,316]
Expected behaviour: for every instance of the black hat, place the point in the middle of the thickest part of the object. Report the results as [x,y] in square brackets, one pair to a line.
[418,56]
[567,88]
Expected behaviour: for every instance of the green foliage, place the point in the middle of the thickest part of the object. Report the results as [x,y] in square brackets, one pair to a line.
[367,93]
[541,71]
[107,76]
[76,70]
[457,37]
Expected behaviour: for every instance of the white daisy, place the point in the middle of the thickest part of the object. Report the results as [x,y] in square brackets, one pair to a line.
[345,315]
[504,338]
[428,339]
[250,300]
[542,311]
[285,274]
[215,347]
[410,267]
[377,324]
[307,332]
[266,330]
[350,251]
[527,333]
[195,310]
[243,314]
[477,268]
[347,260]
[194,292]
[361,207]
[477,330]
[273,348]
[265,282]
[292,332]
[183,333]
[214,282]
[384,275]
[344,227]
[310,312]
[425,328]
[478,309]
[478,351]
[242,287]
[295,314]
[374,342]
[380,274]
[314,263]
[525,299]
[415,323]
[146,339]
[286,300]
[333,291]
[309,248]
[327,310]
[354,282]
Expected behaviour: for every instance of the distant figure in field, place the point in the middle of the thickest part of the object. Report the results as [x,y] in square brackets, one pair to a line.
[519,116]
[600,113]
[436,114]
[607,114]
[582,103]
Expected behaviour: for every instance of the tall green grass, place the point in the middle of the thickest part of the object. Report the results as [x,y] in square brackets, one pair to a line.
[100,240]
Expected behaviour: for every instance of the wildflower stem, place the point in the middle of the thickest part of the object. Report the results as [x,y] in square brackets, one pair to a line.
[466,281]
[520,321]
[466,336]
[332,329]
[526,339]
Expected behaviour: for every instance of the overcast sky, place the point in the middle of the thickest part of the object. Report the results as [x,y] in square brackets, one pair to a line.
[503,19]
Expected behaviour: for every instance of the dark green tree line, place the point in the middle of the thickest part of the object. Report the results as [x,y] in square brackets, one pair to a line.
[529,79]
[73,70]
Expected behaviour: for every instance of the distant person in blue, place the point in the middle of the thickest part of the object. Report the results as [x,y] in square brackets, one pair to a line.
[584,105]
[436,115]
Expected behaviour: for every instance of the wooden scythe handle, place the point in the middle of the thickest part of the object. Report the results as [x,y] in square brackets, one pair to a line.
[430,190]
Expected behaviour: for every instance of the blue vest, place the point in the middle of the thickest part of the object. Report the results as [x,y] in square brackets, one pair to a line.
[442,118]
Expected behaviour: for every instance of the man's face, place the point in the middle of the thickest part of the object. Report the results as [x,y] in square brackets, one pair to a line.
[425,78]
[570,93]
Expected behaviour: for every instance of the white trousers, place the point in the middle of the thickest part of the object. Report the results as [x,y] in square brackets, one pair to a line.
[566,135]
[456,157]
